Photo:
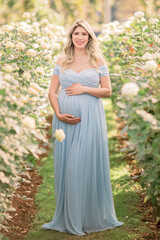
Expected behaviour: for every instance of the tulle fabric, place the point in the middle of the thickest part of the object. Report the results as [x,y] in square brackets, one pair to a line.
[84,201]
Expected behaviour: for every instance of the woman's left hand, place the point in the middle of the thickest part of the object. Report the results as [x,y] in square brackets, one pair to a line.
[75,89]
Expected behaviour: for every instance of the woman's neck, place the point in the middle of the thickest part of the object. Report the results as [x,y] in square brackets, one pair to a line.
[79,53]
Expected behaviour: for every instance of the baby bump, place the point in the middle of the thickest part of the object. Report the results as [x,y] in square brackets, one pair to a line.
[70,104]
[77,105]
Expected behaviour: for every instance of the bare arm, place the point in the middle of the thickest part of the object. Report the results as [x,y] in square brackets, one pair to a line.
[52,95]
[104,91]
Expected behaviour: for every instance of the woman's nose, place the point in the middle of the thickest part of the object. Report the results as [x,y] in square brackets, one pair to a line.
[80,36]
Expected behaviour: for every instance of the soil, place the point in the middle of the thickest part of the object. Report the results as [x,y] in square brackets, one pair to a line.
[19,225]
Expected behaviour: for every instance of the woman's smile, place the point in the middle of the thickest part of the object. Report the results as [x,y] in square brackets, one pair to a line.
[80,43]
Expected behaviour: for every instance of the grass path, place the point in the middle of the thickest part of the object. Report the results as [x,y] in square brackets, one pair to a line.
[123,188]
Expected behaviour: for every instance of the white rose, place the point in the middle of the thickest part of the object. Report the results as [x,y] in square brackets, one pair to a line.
[147,56]
[39,40]
[3,178]
[153,21]
[9,44]
[50,34]
[36,31]
[20,46]
[26,31]
[20,29]
[48,58]
[15,66]
[118,31]
[26,15]
[23,24]
[154,100]
[6,28]
[127,24]
[131,18]
[157,55]
[29,122]
[25,99]
[35,24]
[139,14]
[56,45]
[144,85]
[146,116]
[34,99]
[121,105]
[40,70]
[59,134]
[35,86]
[7,77]
[7,68]
[44,45]
[32,91]
[26,75]
[150,65]
[100,39]
[36,45]
[125,38]
[44,22]
[156,39]
[31,52]
[117,68]
[130,89]
[143,20]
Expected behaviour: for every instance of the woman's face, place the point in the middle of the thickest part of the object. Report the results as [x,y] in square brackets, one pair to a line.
[80,37]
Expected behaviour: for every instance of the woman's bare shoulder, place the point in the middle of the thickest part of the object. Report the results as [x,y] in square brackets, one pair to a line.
[101,60]
[60,59]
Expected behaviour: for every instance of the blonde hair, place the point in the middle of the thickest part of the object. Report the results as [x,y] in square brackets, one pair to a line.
[92,48]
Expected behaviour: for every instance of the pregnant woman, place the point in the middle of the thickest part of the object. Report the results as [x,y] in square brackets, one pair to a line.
[84,201]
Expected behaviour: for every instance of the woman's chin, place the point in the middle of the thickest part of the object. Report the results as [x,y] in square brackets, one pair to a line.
[79,46]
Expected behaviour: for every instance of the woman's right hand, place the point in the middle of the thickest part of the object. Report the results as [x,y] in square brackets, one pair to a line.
[68,118]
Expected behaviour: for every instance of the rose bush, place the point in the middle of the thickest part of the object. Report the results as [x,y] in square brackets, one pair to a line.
[28,54]
[132,50]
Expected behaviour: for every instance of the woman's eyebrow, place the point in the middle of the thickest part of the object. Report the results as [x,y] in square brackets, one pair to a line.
[81,32]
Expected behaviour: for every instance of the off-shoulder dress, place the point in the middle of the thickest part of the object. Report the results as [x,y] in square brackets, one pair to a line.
[83,191]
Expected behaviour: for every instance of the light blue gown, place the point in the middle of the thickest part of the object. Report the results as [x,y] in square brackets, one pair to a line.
[84,201]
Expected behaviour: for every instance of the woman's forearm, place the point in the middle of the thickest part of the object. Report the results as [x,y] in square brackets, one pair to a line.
[98,92]
[53,99]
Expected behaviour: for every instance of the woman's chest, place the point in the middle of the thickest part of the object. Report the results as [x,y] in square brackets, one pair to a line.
[80,67]
[89,77]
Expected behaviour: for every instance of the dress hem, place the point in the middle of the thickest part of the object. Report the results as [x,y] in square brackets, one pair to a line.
[85,232]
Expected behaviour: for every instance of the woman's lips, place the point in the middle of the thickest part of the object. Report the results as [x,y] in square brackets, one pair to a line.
[80,42]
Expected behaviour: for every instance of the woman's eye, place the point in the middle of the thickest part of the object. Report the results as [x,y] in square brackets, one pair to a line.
[76,33]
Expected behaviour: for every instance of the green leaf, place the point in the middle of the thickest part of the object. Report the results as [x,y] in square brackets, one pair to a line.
[2,237]
[2,92]
[124,130]
[146,199]
[30,165]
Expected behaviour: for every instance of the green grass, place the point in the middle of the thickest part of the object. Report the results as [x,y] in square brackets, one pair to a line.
[123,189]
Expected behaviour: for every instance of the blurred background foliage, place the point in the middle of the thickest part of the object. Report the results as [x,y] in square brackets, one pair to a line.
[64,12]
